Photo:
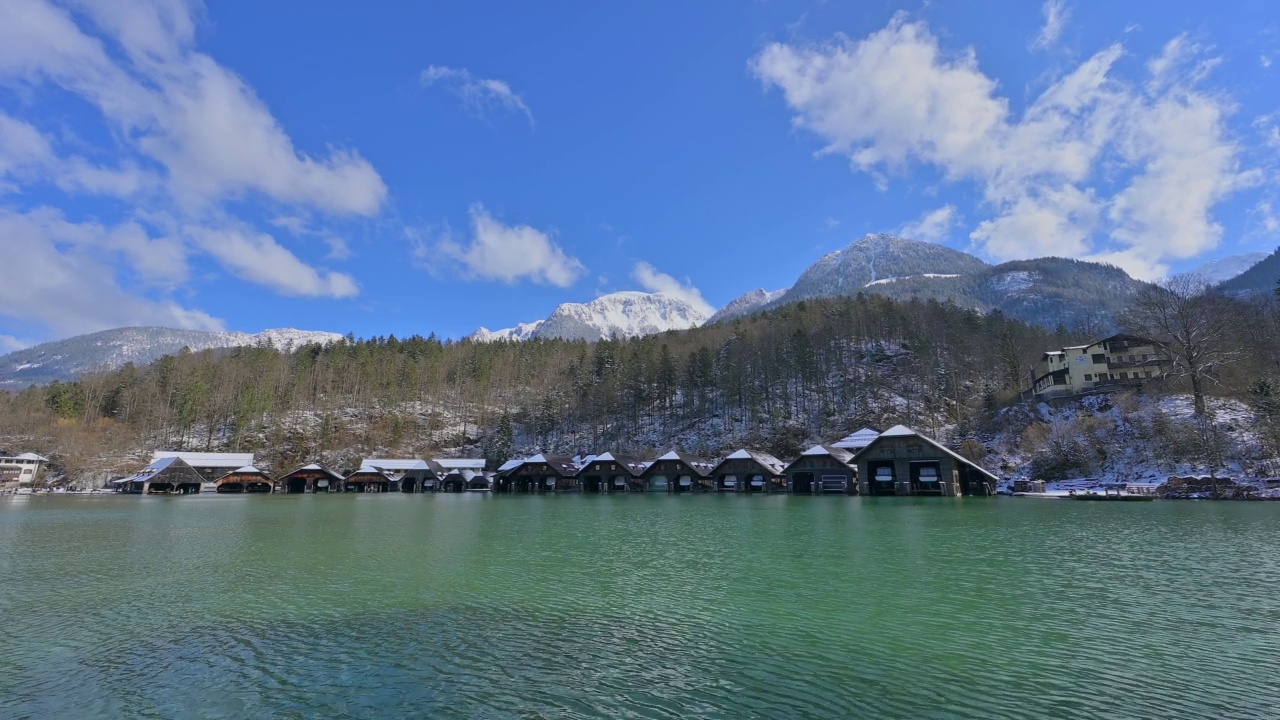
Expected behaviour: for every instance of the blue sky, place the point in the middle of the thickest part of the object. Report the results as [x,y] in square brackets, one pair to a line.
[386,168]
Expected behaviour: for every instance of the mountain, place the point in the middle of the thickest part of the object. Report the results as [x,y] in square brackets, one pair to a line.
[1045,291]
[620,314]
[746,304]
[879,259]
[1226,268]
[109,349]
[522,331]
[1262,277]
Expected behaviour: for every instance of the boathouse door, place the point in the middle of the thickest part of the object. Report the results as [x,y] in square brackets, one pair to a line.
[802,483]
[882,481]
[926,478]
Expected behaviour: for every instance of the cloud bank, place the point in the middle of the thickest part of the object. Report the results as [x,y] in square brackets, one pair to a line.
[1094,167]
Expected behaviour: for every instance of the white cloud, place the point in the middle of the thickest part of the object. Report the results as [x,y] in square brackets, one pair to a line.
[68,286]
[933,226]
[507,253]
[1094,167]
[1056,13]
[659,282]
[1268,221]
[185,135]
[9,343]
[258,258]
[478,95]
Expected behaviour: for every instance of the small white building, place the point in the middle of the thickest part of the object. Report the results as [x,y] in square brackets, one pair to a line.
[21,469]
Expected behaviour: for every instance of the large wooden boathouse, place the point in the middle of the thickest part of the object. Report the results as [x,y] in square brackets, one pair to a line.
[678,472]
[313,478]
[539,474]
[823,470]
[901,461]
[609,473]
[247,479]
[169,475]
[750,471]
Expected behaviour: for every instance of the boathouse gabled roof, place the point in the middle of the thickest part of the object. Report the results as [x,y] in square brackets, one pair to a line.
[314,467]
[839,454]
[633,465]
[764,459]
[562,464]
[395,463]
[904,431]
[699,465]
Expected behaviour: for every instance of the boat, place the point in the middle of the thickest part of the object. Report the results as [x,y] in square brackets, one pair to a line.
[1114,497]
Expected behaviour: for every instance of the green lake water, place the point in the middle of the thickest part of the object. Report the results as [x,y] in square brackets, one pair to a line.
[642,606]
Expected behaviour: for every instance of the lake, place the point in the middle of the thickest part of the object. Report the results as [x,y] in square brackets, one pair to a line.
[640,606]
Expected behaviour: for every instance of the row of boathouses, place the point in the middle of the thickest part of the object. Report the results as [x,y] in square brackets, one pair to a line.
[899,461]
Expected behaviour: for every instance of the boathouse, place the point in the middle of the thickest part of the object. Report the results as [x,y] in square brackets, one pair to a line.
[823,470]
[311,479]
[408,474]
[610,473]
[165,476]
[211,466]
[539,474]
[247,479]
[901,461]
[678,472]
[750,471]
[367,480]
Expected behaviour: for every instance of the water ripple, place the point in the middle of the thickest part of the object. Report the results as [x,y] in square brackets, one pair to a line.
[635,607]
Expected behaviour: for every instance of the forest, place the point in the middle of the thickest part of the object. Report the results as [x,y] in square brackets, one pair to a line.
[806,372]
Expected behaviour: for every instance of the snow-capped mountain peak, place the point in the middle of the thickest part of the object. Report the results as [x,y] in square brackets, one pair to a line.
[522,331]
[621,314]
[109,349]
[746,304]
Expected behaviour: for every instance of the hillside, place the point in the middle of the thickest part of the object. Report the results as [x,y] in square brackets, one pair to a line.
[875,259]
[66,359]
[1261,278]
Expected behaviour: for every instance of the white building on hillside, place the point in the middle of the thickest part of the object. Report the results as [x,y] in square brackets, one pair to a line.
[21,469]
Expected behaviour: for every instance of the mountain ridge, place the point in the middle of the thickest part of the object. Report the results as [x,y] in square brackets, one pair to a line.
[72,357]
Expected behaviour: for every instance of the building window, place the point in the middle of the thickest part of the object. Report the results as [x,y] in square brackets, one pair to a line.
[1148,373]
[1088,377]
[1124,376]
[1099,359]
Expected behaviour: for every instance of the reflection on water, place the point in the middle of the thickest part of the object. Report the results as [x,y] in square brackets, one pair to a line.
[641,606]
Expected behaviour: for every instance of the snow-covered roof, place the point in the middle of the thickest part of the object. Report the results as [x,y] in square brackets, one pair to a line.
[673,455]
[839,454]
[904,431]
[31,456]
[766,460]
[816,450]
[247,469]
[314,467]
[204,459]
[858,440]
[461,463]
[151,470]
[395,463]
[605,457]
[511,464]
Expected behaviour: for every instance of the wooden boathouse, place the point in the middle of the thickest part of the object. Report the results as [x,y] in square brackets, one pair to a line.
[539,474]
[209,465]
[311,478]
[247,479]
[750,471]
[823,470]
[901,461]
[367,480]
[408,475]
[169,475]
[609,473]
[678,472]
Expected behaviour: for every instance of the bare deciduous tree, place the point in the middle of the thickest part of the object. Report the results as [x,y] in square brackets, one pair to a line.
[1196,326]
